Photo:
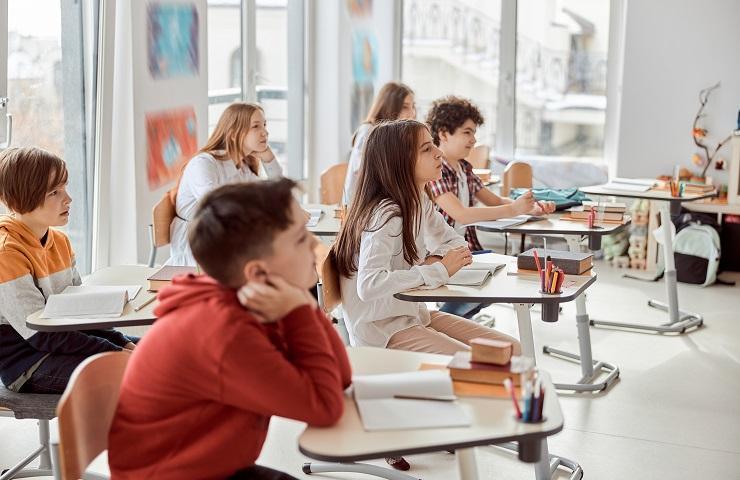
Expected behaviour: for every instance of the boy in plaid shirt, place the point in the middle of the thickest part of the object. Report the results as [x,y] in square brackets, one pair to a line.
[453,122]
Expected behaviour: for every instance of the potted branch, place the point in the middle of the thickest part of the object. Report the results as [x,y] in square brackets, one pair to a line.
[699,135]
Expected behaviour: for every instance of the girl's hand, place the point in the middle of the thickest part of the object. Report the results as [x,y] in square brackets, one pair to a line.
[431,259]
[129,346]
[543,208]
[456,259]
[274,299]
[265,155]
[523,204]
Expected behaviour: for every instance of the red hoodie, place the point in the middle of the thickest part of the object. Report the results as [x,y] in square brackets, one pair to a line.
[199,391]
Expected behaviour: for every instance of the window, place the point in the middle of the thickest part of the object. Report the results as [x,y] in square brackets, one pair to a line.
[561,77]
[224,57]
[452,47]
[50,84]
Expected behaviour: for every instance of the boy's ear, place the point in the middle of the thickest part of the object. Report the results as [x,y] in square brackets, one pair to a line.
[255,271]
[443,136]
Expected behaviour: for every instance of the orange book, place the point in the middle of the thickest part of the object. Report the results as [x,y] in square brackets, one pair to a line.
[163,277]
[463,369]
[470,389]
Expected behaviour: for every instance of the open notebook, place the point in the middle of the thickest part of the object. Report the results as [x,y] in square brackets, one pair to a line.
[89,302]
[380,409]
[475,274]
[316,214]
[507,222]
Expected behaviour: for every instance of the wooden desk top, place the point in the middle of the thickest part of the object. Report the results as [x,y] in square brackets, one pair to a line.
[493,419]
[652,194]
[328,225]
[121,275]
[502,287]
[555,226]
[714,206]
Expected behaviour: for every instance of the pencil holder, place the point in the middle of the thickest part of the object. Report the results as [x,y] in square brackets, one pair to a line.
[594,242]
[521,420]
[551,310]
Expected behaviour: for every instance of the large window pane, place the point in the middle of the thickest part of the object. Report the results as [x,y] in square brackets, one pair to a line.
[224,57]
[561,77]
[451,47]
[51,104]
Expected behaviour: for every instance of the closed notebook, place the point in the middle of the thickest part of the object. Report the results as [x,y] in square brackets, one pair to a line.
[375,396]
[107,303]
[163,277]
[572,263]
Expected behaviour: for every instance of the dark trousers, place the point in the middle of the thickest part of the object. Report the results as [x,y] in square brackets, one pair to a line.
[54,372]
[257,472]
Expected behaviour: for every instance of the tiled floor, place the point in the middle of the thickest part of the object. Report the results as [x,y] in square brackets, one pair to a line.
[673,414]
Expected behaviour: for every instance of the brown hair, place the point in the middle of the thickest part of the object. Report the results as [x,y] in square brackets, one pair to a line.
[238,222]
[447,114]
[27,174]
[388,102]
[229,135]
[386,177]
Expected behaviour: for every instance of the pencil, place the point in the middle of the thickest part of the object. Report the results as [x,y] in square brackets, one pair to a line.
[147,302]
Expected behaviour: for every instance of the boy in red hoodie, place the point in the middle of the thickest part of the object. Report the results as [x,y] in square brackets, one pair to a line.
[231,348]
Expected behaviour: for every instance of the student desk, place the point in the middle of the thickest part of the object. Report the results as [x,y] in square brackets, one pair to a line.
[520,290]
[120,275]
[574,232]
[679,320]
[493,422]
[328,225]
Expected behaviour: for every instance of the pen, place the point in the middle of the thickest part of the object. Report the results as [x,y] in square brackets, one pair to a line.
[147,302]
[537,400]
[542,402]
[537,260]
[419,397]
[548,272]
[510,388]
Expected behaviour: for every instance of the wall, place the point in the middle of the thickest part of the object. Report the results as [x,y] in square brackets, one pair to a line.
[673,49]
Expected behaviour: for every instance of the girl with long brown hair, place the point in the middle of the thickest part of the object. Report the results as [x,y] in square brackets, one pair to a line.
[395,101]
[382,248]
[236,151]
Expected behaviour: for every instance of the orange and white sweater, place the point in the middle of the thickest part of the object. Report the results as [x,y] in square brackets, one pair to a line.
[30,271]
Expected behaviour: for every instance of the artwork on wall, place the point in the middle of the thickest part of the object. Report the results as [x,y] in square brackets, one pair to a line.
[171,140]
[364,59]
[172,40]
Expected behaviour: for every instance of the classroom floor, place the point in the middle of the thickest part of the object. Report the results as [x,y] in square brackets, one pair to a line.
[674,413]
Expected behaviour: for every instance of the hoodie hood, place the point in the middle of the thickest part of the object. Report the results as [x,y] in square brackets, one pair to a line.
[20,232]
[187,290]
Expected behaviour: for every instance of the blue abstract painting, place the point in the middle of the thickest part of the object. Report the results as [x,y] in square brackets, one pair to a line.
[173,40]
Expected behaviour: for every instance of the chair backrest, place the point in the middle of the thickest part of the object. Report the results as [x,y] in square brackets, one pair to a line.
[163,214]
[516,175]
[331,292]
[478,156]
[86,411]
[332,184]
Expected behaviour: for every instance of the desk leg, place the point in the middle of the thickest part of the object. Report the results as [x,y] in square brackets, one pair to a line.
[526,337]
[679,320]
[466,466]
[590,368]
[547,466]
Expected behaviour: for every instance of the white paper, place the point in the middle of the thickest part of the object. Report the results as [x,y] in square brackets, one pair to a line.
[506,222]
[379,410]
[131,290]
[86,304]
[316,214]
[492,267]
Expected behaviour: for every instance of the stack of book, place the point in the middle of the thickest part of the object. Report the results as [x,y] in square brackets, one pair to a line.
[163,277]
[571,263]
[489,362]
[605,212]
[691,188]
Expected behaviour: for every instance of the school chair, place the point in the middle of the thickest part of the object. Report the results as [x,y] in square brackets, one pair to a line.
[516,175]
[41,407]
[479,156]
[85,414]
[163,214]
[331,187]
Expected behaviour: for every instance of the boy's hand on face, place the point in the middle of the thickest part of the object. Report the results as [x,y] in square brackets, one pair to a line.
[274,299]
[456,259]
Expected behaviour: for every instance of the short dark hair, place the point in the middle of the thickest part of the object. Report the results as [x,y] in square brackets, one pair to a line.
[237,223]
[447,114]
[27,174]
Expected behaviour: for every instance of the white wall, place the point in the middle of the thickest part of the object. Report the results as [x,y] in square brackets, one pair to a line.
[673,49]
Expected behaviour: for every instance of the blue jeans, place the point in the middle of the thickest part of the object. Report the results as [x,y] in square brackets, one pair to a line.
[54,372]
[465,310]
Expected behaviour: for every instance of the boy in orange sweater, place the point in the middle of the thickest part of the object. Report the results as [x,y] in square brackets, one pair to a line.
[231,348]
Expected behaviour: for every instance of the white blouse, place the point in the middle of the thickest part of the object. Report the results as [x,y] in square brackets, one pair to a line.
[372,314]
[202,174]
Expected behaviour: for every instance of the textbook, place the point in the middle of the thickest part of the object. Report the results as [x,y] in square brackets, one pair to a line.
[399,401]
[506,222]
[316,214]
[475,274]
[610,207]
[163,277]
[572,263]
[81,302]
[464,370]
[581,213]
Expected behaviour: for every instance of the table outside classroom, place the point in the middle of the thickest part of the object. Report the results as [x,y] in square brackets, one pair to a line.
[493,422]
[109,276]
[522,291]
[328,225]
[678,320]
[574,232]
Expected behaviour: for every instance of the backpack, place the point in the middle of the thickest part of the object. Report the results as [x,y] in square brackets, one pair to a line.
[697,252]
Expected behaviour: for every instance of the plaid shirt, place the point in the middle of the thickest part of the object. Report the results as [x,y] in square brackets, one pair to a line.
[449,183]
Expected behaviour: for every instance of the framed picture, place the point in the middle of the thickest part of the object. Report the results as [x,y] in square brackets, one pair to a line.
[733,190]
